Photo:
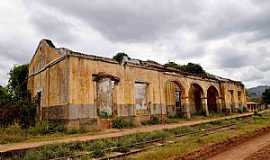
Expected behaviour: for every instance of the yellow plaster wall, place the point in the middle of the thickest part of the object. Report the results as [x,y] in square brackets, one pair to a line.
[51,82]
[82,87]
[70,81]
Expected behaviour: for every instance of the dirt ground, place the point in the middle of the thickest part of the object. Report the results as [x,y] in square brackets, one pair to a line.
[255,149]
[262,154]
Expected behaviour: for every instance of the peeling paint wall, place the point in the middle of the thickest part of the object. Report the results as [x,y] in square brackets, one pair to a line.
[71,92]
[51,83]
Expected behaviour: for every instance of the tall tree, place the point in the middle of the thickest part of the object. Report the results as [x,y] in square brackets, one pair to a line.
[266,96]
[17,84]
[20,106]
[4,96]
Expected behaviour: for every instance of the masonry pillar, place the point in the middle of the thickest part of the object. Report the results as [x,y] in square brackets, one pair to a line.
[204,105]
[219,105]
[186,107]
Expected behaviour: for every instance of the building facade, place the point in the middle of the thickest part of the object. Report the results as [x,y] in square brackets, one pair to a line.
[85,90]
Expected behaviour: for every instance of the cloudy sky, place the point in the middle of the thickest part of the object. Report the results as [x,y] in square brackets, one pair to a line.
[229,38]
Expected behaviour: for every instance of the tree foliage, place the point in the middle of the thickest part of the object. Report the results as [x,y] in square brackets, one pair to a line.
[266,96]
[193,68]
[189,68]
[4,96]
[119,56]
[15,102]
[173,65]
[17,84]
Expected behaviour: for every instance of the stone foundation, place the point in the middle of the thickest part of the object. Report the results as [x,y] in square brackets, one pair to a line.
[86,117]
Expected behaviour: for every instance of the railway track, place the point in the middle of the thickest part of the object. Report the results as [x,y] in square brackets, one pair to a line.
[116,153]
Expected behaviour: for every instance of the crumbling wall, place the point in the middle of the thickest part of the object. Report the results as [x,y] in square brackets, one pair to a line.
[50,82]
[233,100]
[71,92]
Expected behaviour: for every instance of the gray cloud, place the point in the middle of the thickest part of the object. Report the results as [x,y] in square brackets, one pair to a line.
[195,52]
[251,74]
[53,27]
[228,37]
[234,17]
[231,58]
[264,66]
[127,20]
[50,23]
[14,51]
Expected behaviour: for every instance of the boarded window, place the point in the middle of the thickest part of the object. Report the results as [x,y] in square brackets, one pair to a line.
[105,96]
[140,96]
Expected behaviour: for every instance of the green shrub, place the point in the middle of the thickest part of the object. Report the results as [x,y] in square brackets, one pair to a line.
[181,130]
[119,56]
[153,120]
[176,116]
[158,135]
[245,109]
[125,143]
[75,130]
[120,122]
[240,110]
[32,155]
[48,152]
[104,114]
[27,114]
[97,148]
[41,127]
[45,127]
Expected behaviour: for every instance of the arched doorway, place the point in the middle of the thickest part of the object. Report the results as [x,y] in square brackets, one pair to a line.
[174,93]
[212,97]
[195,96]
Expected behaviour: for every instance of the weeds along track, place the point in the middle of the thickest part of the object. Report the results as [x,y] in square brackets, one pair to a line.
[120,147]
[160,142]
[121,152]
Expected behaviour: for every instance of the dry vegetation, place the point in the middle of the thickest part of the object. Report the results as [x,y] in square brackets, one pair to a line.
[187,144]
[194,142]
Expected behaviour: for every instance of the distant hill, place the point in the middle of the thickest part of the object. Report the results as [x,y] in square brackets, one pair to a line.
[256,92]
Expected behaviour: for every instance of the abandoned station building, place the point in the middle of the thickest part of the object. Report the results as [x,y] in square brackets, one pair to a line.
[79,89]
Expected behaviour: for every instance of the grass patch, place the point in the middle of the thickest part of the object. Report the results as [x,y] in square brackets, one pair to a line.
[41,131]
[47,152]
[194,142]
[44,131]
[175,118]
[12,134]
[187,144]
